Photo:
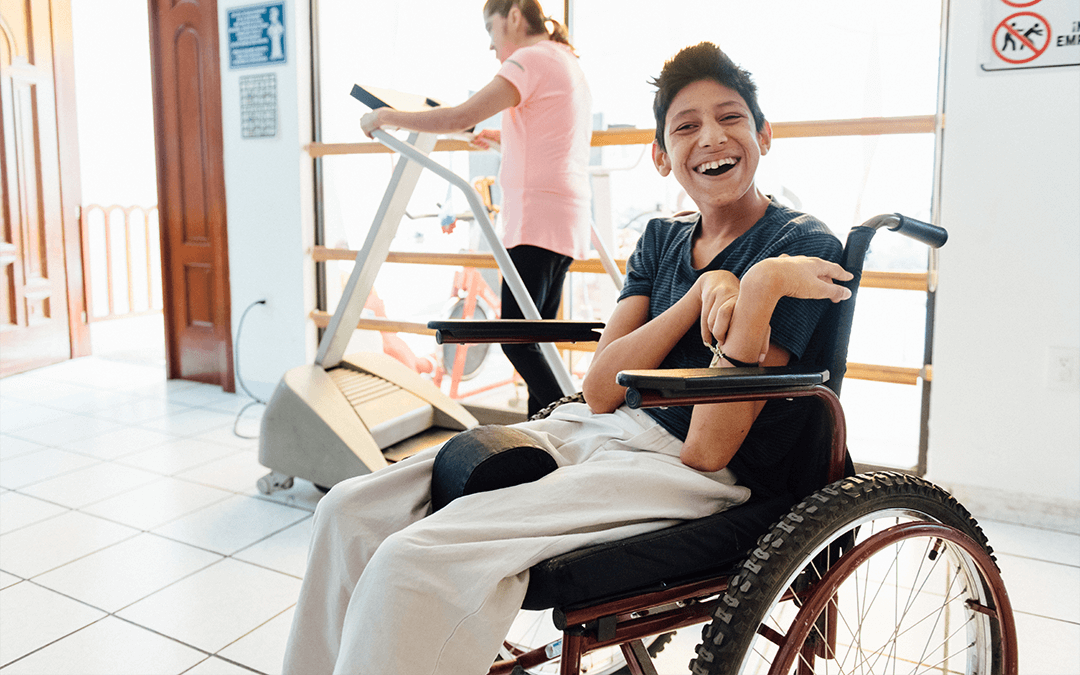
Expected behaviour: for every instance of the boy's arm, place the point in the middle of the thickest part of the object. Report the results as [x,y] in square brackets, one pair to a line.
[718,430]
[630,341]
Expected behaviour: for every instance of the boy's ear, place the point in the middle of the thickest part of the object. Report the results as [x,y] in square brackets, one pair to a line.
[660,160]
[765,138]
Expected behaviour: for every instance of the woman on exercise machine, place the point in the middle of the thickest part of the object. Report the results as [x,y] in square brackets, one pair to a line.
[545,139]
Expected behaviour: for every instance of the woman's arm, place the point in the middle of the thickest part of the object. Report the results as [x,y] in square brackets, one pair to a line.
[496,96]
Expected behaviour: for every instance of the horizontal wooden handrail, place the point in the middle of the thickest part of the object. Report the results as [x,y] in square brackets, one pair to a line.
[856,371]
[863,126]
[906,281]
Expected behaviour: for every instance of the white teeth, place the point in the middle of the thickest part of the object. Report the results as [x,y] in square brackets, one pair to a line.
[714,164]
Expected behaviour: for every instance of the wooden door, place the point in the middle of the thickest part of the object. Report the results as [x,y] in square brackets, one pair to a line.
[191,190]
[42,298]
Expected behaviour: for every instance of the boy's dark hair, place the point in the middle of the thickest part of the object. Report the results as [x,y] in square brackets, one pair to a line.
[704,61]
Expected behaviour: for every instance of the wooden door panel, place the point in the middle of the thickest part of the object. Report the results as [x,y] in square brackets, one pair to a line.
[191,190]
[35,326]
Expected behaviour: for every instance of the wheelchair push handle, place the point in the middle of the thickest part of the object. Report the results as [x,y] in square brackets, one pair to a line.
[929,234]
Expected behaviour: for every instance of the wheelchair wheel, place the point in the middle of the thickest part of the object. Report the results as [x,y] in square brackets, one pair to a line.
[535,629]
[910,606]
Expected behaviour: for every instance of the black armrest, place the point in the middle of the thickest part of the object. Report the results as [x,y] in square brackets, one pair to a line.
[686,386]
[511,331]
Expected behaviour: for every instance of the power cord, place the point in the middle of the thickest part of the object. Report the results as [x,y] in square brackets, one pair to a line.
[240,380]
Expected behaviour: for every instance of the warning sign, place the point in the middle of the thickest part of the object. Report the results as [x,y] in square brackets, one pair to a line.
[1031,34]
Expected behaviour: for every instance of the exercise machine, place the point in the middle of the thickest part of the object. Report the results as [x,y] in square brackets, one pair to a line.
[348,415]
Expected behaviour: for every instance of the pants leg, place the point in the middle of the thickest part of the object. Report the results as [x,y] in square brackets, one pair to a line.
[543,273]
[439,595]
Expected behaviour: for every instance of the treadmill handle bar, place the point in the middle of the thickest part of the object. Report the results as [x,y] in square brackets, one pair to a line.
[506,265]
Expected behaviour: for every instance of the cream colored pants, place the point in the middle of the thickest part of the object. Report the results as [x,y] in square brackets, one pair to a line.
[390,590]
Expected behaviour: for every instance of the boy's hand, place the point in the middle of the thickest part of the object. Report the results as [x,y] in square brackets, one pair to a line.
[806,277]
[718,290]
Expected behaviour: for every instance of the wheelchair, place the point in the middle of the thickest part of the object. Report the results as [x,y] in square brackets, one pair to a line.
[878,572]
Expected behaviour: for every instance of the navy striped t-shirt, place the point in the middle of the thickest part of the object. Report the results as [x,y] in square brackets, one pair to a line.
[661,269]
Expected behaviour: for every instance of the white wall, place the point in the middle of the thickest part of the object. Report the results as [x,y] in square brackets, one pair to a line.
[268,187]
[1004,440]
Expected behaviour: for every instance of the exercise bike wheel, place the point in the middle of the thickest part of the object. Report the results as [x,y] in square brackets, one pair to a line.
[534,629]
[475,353]
[900,604]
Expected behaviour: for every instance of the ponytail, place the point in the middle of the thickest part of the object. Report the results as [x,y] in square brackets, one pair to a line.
[534,18]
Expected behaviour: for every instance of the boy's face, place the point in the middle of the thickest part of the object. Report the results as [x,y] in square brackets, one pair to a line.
[712,145]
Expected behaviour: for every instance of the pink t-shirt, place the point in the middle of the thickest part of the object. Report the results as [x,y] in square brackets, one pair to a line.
[545,145]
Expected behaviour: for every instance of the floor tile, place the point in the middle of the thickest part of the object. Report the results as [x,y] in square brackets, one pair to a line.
[1031,542]
[236,473]
[127,572]
[90,484]
[18,510]
[57,541]
[143,410]
[285,551]
[157,503]
[109,647]
[14,447]
[1043,588]
[31,388]
[264,648]
[118,443]
[177,455]
[34,467]
[89,404]
[233,524]
[24,415]
[216,606]
[226,436]
[66,429]
[216,666]
[8,580]
[32,617]
[190,422]
[1047,647]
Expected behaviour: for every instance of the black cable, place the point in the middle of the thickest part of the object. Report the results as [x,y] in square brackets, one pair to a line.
[236,363]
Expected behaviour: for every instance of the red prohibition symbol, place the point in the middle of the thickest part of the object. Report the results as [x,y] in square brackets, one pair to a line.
[1020,5]
[1022,37]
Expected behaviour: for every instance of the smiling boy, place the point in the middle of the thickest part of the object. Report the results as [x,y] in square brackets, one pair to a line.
[392,587]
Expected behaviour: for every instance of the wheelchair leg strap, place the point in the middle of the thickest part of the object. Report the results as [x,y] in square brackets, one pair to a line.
[637,658]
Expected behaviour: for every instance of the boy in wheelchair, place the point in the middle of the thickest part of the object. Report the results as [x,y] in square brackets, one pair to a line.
[392,587]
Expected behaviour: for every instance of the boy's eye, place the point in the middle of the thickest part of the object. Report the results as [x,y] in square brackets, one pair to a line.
[684,127]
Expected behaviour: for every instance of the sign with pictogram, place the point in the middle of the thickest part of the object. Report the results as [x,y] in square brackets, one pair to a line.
[1030,34]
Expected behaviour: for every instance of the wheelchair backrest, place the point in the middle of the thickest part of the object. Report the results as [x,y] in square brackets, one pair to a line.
[828,348]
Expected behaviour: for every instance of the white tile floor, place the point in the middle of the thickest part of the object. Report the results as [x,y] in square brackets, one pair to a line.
[133,540]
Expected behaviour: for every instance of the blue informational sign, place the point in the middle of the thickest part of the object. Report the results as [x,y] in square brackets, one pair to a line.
[257,35]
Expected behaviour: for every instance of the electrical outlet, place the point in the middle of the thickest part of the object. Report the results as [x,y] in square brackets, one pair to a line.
[1063,369]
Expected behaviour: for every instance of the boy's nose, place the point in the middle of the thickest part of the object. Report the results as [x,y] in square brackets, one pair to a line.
[711,134]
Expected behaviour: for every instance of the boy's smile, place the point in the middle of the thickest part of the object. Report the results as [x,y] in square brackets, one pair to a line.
[712,145]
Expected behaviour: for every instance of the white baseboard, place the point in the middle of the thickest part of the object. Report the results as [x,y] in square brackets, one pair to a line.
[1019,508]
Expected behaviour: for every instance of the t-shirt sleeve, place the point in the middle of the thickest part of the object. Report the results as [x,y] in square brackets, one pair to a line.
[641,266]
[794,320]
[524,70]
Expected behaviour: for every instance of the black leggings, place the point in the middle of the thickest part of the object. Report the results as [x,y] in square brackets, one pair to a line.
[543,272]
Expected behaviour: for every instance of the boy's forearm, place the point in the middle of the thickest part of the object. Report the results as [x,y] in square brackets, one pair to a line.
[758,295]
[642,348]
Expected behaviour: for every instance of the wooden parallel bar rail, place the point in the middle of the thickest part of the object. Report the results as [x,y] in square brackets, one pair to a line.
[907,281]
[866,126]
[857,371]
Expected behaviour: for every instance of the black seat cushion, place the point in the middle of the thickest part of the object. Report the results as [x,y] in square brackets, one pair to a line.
[651,561]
